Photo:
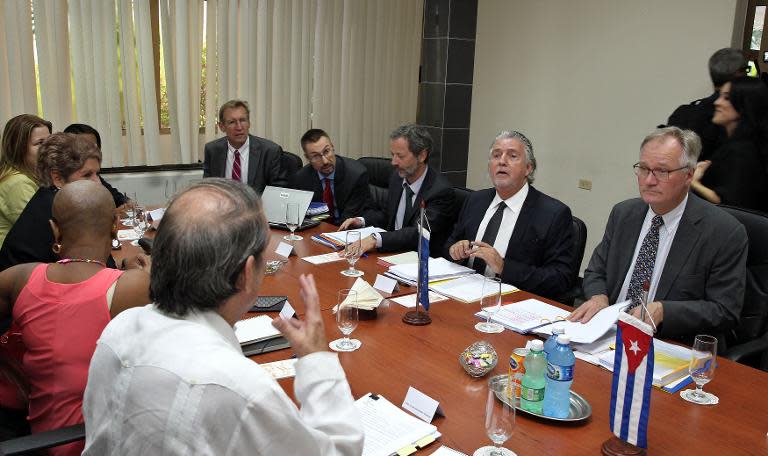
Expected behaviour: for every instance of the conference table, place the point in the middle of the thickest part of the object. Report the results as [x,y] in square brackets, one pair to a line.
[395,355]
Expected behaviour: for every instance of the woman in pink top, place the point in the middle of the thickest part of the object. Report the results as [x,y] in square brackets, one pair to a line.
[61,308]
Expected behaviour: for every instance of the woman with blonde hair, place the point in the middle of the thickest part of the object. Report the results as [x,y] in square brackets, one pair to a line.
[22,136]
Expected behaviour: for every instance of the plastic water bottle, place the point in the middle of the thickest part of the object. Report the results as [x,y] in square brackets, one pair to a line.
[551,342]
[532,390]
[557,399]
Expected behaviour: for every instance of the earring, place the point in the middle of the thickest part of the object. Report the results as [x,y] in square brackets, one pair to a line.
[56,247]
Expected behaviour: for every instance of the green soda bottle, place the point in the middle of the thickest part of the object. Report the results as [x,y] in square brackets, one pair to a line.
[532,390]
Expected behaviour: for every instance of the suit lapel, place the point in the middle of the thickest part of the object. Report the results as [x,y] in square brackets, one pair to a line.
[477,212]
[524,219]
[394,193]
[425,186]
[686,238]
[626,239]
[338,181]
[220,160]
[254,159]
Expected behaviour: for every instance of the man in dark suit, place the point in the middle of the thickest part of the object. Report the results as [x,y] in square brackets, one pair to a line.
[412,183]
[724,65]
[692,254]
[339,182]
[241,156]
[513,230]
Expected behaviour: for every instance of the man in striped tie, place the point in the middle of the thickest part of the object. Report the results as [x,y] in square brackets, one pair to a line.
[691,254]
[241,156]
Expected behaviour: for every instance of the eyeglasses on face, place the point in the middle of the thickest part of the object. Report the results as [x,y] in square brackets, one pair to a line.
[660,174]
[318,157]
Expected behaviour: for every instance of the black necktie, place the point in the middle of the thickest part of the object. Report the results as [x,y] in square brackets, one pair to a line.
[408,200]
[489,237]
[646,259]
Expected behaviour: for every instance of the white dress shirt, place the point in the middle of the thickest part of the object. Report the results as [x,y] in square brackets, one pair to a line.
[166,385]
[666,236]
[244,152]
[509,219]
[400,214]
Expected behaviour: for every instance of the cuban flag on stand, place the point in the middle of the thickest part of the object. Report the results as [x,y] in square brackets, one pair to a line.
[632,380]
[423,297]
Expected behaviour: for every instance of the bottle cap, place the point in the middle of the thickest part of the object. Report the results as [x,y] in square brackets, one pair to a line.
[537,345]
[558,329]
[564,339]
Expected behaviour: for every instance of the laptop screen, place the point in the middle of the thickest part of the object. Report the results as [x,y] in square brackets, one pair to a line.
[276,199]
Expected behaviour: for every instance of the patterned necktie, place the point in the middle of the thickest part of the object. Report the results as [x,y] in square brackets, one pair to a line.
[236,167]
[328,198]
[489,237]
[646,259]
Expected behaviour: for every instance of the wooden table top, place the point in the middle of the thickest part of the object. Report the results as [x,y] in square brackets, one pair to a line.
[395,356]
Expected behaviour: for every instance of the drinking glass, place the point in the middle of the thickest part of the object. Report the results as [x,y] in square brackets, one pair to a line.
[346,319]
[140,221]
[292,220]
[490,302]
[352,253]
[702,366]
[170,189]
[499,417]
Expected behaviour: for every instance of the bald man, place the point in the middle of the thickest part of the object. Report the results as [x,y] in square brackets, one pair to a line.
[60,309]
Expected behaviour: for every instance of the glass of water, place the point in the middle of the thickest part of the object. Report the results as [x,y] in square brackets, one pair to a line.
[499,417]
[292,221]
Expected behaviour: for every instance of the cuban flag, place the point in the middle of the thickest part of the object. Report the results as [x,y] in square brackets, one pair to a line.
[424,269]
[632,380]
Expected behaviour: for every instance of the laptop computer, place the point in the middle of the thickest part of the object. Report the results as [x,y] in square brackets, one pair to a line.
[275,200]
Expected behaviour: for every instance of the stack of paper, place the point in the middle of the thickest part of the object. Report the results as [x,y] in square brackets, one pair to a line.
[401,258]
[439,269]
[367,296]
[587,333]
[526,315]
[468,288]
[255,329]
[389,430]
[670,362]
[338,239]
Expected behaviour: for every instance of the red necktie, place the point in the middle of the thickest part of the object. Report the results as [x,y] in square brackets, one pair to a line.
[236,167]
[328,197]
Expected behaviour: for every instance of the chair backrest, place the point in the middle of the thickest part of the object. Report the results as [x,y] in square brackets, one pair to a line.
[379,170]
[461,194]
[754,313]
[291,163]
[579,243]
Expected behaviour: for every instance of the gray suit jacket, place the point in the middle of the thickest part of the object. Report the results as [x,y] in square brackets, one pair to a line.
[263,162]
[702,284]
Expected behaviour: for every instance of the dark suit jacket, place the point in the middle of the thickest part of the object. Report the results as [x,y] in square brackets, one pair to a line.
[438,196]
[540,249]
[702,284]
[31,237]
[263,162]
[697,116]
[350,184]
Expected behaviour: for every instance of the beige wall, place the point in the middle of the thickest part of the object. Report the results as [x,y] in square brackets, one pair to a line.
[586,80]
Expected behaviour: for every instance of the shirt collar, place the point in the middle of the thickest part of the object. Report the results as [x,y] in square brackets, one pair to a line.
[330,176]
[671,218]
[242,148]
[514,202]
[214,321]
[416,186]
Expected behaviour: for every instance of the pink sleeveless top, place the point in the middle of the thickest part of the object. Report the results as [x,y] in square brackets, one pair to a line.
[60,324]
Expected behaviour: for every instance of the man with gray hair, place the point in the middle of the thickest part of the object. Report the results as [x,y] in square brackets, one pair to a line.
[171,378]
[513,230]
[724,65]
[691,254]
[412,182]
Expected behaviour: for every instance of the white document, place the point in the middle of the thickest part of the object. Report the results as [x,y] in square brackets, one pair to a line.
[439,269]
[525,315]
[384,284]
[157,215]
[255,329]
[388,428]
[128,235]
[586,333]
[401,258]
[284,249]
[468,288]
[445,451]
[340,237]
[324,258]
[281,369]
[410,300]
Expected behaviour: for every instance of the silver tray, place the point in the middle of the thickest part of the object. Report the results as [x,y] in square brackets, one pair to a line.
[579,409]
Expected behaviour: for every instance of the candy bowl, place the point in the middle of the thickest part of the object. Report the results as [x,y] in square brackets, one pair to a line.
[479,359]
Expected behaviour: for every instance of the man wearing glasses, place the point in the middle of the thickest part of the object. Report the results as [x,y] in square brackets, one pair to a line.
[339,182]
[689,254]
[241,156]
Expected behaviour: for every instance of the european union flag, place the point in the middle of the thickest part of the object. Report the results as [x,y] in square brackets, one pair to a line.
[424,269]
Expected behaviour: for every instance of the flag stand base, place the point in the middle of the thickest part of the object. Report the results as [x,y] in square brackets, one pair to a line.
[416,318]
[617,447]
